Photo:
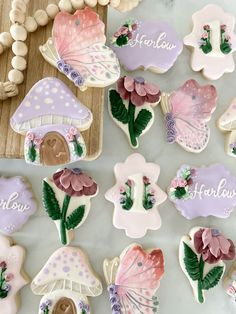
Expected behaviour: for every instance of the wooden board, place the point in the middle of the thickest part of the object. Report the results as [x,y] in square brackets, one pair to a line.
[11,143]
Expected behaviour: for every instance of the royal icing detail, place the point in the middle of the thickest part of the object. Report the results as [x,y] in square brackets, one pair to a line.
[201,256]
[131,106]
[77,49]
[133,280]
[230,282]
[66,199]
[187,112]
[126,5]
[149,45]
[136,196]
[213,41]
[17,203]
[65,282]
[11,278]
[51,117]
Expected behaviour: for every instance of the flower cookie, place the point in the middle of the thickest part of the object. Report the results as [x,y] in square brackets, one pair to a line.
[17,203]
[213,42]
[51,117]
[147,45]
[187,112]
[65,282]
[201,256]
[204,191]
[133,280]
[12,276]
[66,199]
[136,196]
[131,106]
[77,49]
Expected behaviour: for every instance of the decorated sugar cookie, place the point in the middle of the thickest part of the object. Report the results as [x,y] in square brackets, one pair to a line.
[203,191]
[230,282]
[147,45]
[51,117]
[213,42]
[17,203]
[131,106]
[77,49]
[125,5]
[12,276]
[201,255]
[187,112]
[133,280]
[136,196]
[65,282]
[66,199]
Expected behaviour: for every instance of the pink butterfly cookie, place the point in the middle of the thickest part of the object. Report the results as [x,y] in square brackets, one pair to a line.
[187,112]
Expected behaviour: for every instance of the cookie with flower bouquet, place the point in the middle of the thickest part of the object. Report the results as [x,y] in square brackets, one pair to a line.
[131,106]
[66,199]
[201,255]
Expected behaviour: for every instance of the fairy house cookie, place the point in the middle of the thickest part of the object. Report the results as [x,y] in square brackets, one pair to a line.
[187,111]
[146,45]
[51,117]
[136,196]
[66,199]
[17,203]
[133,280]
[12,276]
[77,49]
[213,42]
[131,106]
[65,283]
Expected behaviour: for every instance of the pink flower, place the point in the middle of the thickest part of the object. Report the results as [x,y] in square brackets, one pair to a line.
[206,27]
[223,27]
[73,131]
[178,182]
[146,180]
[30,136]
[122,31]
[137,91]
[134,26]
[3,265]
[228,38]
[129,183]
[38,141]
[9,277]
[205,35]
[122,190]
[69,137]
[213,246]
[230,290]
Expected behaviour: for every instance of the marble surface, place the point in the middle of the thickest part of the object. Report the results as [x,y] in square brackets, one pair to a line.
[97,236]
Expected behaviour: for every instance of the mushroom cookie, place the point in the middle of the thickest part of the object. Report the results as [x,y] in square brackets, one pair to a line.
[213,42]
[51,117]
[150,45]
[133,280]
[77,49]
[65,282]
[136,196]
[17,203]
[66,199]
[131,106]
[12,276]
[201,256]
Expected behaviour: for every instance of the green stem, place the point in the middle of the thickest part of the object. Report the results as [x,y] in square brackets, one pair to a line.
[131,113]
[1,279]
[63,219]
[201,268]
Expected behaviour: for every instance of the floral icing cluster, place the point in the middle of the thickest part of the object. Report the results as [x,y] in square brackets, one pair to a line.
[170,127]
[126,195]
[149,194]
[5,278]
[233,148]
[84,307]
[72,137]
[33,144]
[179,188]
[114,299]
[45,306]
[124,34]
[72,74]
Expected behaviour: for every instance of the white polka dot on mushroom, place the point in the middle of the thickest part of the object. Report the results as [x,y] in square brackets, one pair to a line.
[67,104]
[20,115]
[54,90]
[39,89]
[27,104]
[37,107]
[48,100]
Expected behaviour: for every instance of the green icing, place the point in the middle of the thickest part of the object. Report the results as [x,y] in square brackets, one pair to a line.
[75,217]
[180,192]
[32,152]
[118,109]
[142,121]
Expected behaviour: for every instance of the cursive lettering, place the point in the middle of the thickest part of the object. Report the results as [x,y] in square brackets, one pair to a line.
[159,43]
[12,204]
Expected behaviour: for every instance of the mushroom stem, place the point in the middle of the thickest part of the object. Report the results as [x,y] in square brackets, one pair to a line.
[63,219]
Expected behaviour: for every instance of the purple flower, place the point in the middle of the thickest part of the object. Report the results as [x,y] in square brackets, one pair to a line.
[43,306]
[73,75]
[60,65]
[114,299]
[7,287]
[171,136]
[86,308]
[79,81]
[66,69]
[81,305]
[116,307]
[48,302]
[112,289]
[153,200]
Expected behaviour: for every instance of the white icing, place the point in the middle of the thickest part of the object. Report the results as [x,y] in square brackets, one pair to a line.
[138,192]
[215,39]
[159,43]
[12,204]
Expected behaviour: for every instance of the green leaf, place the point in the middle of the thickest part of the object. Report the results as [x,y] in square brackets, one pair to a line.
[191,263]
[122,40]
[50,202]
[32,153]
[78,149]
[118,109]
[142,121]
[212,278]
[75,217]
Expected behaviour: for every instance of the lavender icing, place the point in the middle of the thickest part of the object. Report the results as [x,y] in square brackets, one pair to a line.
[170,128]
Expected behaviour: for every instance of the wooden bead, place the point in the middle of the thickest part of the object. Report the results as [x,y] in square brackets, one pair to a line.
[30,24]
[103,2]
[18,63]
[19,48]
[6,39]
[19,5]
[41,17]
[52,10]
[91,3]
[65,5]
[16,16]
[77,4]
[114,3]
[18,32]
[16,76]
[1,49]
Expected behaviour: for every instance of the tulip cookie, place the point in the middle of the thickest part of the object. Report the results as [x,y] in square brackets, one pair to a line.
[136,196]
[12,276]
[66,199]
[131,106]
[213,42]
[201,256]
[65,282]
[187,112]
[133,280]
